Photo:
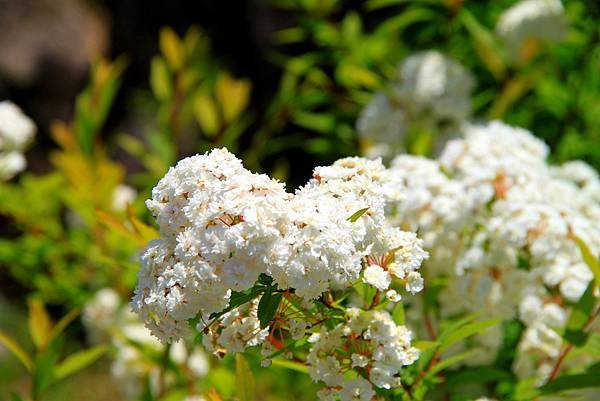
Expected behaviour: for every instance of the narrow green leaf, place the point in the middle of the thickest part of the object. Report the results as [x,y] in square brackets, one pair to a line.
[62,324]
[357,215]
[572,382]
[244,379]
[398,314]
[478,374]
[484,43]
[466,331]
[267,307]
[453,360]
[78,361]
[39,323]
[589,259]
[160,79]
[580,314]
[425,345]
[284,363]
[16,349]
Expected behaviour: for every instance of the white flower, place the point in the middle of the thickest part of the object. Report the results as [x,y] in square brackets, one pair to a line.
[16,129]
[357,389]
[123,195]
[498,223]
[377,277]
[101,313]
[531,19]
[414,283]
[393,296]
[433,83]
[16,132]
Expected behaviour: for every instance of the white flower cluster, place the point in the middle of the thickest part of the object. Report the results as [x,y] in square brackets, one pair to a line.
[16,132]
[501,224]
[529,20]
[107,318]
[371,344]
[432,92]
[222,226]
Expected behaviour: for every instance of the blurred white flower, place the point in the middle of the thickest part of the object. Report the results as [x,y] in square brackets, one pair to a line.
[529,20]
[16,133]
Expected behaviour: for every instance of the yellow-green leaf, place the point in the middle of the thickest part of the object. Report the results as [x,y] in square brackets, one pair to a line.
[244,379]
[483,42]
[206,114]
[233,95]
[172,48]
[39,323]
[356,215]
[78,361]
[589,259]
[16,349]
[62,324]
[160,79]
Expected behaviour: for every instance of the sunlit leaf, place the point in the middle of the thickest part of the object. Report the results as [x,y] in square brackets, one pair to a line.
[78,361]
[580,315]
[589,259]
[232,94]
[39,323]
[356,215]
[466,331]
[244,379]
[206,113]
[16,350]
[160,79]
[172,48]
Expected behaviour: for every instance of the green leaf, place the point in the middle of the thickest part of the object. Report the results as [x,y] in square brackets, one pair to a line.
[78,361]
[62,324]
[357,215]
[580,315]
[267,307]
[160,79]
[425,345]
[589,259]
[172,48]
[466,331]
[479,375]
[453,360]
[483,41]
[244,379]
[284,363]
[16,350]
[398,314]
[39,323]
[572,382]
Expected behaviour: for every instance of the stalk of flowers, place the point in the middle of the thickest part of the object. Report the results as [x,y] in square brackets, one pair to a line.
[136,355]
[501,224]
[16,133]
[431,94]
[245,263]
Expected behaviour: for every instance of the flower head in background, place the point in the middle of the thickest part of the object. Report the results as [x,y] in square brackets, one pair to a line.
[107,318]
[529,21]
[16,133]
[502,224]
[432,94]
